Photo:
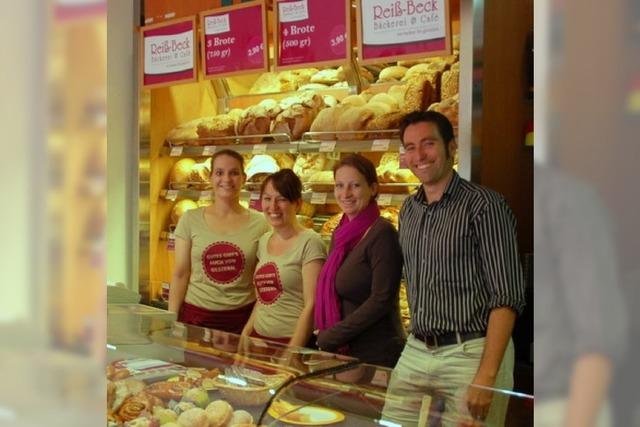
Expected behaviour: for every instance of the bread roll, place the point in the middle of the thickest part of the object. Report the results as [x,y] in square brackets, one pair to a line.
[354,100]
[378,108]
[181,172]
[394,72]
[313,86]
[266,83]
[308,164]
[322,177]
[398,93]
[329,76]
[284,160]
[200,175]
[329,100]
[366,75]
[386,99]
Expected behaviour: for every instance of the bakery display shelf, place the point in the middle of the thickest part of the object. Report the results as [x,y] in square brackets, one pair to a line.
[350,141]
[270,143]
[327,197]
[171,194]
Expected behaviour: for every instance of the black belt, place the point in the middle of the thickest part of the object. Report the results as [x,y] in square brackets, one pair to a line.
[449,338]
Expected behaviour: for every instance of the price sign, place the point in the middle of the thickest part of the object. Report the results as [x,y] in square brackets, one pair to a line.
[385,199]
[176,151]
[233,40]
[380,145]
[312,33]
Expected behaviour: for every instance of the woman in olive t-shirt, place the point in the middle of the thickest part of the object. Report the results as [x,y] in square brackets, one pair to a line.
[215,253]
[290,259]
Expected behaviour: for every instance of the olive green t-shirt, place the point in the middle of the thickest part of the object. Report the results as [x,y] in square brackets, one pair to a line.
[278,284]
[222,264]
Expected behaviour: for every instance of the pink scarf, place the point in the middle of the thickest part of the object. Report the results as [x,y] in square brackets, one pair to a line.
[345,238]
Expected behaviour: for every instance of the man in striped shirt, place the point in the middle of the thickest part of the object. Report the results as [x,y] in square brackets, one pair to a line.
[464,283]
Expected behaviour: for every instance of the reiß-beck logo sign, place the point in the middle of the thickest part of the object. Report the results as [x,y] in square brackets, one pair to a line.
[402,28]
[169,53]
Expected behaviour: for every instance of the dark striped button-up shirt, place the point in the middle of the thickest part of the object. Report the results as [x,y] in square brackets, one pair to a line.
[460,258]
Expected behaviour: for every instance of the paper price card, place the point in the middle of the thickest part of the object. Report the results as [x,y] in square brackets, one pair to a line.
[208,150]
[176,151]
[380,145]
[327,146]
[259,149]
[385,199]
[171,195]
[318,198]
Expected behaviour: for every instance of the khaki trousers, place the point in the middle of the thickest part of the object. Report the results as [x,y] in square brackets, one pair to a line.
[443,373]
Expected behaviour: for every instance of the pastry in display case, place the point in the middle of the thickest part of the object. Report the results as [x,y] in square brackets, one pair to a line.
[193,376]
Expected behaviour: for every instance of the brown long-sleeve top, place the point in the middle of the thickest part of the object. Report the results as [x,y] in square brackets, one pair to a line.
[367,284]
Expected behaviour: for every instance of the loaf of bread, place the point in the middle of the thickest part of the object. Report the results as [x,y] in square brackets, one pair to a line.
[393,73]
[181,173]
[449,83]
[419,93]
[256,120]
[200,174]
[422,71]
[448,107]
[326,121]
[185,133]
[390,120]
[353,119]
[222,125]
[366,76]
[294,121]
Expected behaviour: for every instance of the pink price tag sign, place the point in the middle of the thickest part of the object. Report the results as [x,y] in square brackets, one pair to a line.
[312,33]
[168,53]
[233,40]
[402,29]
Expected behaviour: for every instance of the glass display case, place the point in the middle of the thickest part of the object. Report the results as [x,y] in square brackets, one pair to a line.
[194,376]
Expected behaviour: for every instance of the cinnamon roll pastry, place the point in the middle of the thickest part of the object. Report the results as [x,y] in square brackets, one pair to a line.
[136,405]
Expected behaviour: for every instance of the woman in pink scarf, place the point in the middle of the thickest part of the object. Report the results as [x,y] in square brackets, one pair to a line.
[357,309]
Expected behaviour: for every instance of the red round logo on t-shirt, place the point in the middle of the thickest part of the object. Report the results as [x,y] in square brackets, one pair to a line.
[223,262]
[268,284]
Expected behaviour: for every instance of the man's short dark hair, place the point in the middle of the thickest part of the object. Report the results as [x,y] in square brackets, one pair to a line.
[440,120]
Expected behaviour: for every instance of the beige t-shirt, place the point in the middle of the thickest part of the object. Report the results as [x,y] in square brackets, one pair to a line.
[278,283]
[222,265]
